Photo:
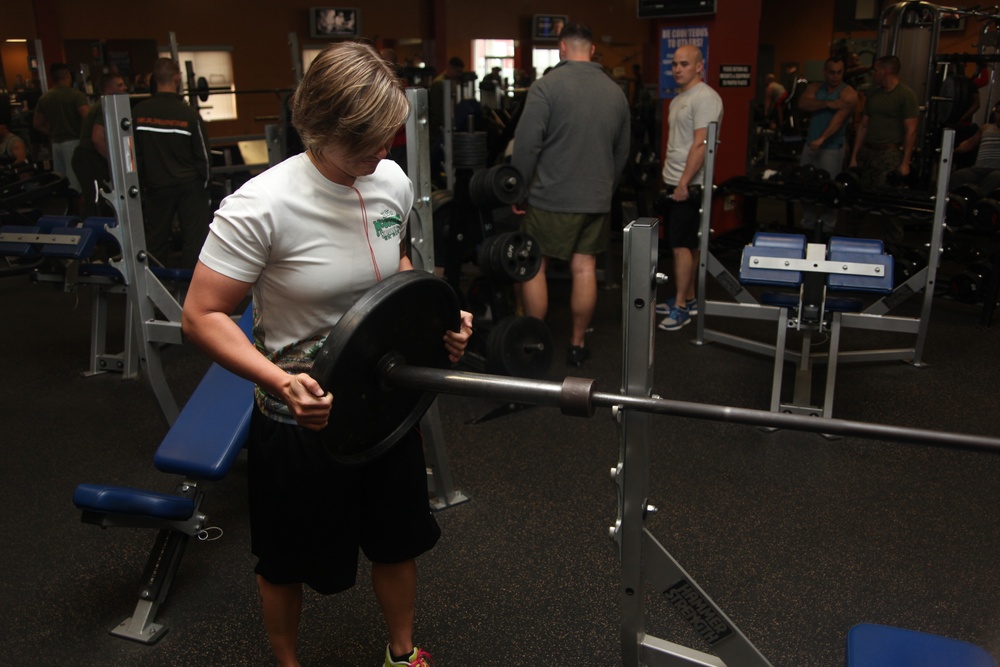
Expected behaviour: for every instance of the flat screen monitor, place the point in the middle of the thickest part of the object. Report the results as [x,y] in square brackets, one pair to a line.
[334,22]
[546,27]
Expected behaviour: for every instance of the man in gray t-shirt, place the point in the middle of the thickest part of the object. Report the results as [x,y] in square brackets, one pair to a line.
[690,114]
[571,145]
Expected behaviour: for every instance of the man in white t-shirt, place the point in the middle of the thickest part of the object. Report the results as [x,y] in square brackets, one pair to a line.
[690,114]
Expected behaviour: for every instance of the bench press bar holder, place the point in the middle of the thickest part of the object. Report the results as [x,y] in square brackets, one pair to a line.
[146,297]
[421,230]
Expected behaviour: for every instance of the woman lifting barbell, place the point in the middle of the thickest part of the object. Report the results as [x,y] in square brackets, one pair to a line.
[307,238]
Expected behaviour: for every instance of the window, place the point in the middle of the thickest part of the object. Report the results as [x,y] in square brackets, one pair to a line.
[215,65]
[542,59]
[490,53]
[309,54]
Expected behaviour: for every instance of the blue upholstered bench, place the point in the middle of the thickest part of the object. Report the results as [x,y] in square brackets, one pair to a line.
[870,645]
[202,445]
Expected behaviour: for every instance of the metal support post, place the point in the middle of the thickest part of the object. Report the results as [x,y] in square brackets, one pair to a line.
[448,129]
[145,294]
[632,473]
[296,54]
[418,168]
[643,559]
[706,262]
[937,239]
[421,231]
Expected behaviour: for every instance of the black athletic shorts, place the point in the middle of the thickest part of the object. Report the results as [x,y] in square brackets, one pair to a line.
[683,222]
[309,515]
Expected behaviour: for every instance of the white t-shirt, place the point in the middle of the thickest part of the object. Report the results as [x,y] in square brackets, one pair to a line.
[310,247]
[692,110]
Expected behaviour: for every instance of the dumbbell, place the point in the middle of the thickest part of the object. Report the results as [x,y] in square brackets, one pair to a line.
[968,285]
[896,179]
[840,190]
[802,173]
[694,191]
[907,262]
[960,201]
[985,213]
[807,173]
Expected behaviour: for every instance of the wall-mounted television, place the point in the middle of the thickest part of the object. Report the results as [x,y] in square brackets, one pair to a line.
[334,22]
[546,27]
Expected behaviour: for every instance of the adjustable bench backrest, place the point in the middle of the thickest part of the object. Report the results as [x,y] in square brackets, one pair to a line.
[212,428]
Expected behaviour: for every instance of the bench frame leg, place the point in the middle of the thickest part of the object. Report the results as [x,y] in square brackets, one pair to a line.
[162,565]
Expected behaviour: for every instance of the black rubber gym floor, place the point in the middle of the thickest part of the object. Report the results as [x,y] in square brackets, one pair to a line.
[796,537]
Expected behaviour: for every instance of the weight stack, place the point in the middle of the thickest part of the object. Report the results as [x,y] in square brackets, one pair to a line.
[469,150]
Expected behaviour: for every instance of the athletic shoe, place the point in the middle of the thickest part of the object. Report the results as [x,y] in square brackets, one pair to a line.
[419,658]
[577,355]
[664,308]
[677,318]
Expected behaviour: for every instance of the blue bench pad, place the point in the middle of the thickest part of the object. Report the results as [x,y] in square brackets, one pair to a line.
[870,645]
[202,444]
[767,244]
[134,502]
[861,251]
[213,426]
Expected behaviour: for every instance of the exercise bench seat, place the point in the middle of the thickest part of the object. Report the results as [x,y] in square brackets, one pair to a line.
[102,499]
[870,645]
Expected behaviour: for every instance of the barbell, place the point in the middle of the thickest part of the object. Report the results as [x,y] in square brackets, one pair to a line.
[385,361]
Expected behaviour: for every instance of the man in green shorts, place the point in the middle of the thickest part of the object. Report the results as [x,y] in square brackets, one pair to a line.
[571,145]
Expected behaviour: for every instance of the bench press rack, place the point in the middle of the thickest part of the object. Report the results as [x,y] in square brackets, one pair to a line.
[153,314]
[421,231]
[874,317]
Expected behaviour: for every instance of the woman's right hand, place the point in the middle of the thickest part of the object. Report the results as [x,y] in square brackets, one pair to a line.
[310,405]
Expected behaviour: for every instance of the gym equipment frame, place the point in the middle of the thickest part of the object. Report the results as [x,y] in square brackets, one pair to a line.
[874,317]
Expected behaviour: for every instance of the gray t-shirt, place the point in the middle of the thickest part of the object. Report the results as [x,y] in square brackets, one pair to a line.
[572,141]
[692,110]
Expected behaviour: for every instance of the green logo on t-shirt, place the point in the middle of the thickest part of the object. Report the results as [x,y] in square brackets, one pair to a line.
[388,224]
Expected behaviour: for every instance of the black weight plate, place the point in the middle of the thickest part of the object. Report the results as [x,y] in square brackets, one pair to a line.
[520,347]
[501,185]
[985,214]
[408,314]
[202,89]
[516,256]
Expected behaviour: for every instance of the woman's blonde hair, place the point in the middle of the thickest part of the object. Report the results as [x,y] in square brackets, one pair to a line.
[350,97]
